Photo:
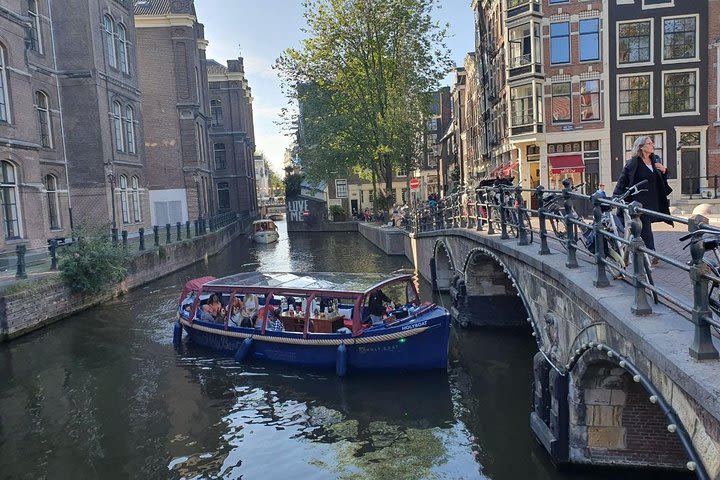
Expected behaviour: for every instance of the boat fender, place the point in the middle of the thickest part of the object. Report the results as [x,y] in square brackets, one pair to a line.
[243,349]
[341,360]
[177,333]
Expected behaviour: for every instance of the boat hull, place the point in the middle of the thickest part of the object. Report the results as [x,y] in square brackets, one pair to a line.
[265,237]
[420,344]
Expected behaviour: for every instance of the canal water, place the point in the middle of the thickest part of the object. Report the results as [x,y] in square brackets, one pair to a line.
[106,395]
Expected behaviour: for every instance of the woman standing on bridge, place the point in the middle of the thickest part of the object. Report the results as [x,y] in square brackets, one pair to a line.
[645,165]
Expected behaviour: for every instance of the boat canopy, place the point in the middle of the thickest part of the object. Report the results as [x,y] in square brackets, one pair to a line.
[350,284]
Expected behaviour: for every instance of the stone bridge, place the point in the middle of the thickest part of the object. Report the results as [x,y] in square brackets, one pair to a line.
[611,388]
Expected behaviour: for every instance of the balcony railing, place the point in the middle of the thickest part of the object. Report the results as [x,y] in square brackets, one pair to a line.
[519,7]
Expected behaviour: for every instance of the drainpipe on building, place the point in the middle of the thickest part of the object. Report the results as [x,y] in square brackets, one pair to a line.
[60,109]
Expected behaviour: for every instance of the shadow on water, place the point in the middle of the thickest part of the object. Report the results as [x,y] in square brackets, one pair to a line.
[104,394]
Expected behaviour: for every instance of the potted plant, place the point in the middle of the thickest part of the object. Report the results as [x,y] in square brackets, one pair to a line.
[338,213]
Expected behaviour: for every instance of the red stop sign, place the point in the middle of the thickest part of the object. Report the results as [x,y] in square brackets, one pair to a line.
[414,183]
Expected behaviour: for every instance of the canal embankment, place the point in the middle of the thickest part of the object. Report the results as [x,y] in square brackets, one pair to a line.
[390,240]
[47,299]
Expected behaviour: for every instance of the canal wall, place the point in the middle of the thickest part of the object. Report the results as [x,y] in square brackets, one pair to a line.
[50,300]
[390,240]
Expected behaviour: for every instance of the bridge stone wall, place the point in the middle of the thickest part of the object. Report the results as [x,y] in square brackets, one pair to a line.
[587,408]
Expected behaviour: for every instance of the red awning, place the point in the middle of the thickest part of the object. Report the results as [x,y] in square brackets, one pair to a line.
[508,168]
[562,164]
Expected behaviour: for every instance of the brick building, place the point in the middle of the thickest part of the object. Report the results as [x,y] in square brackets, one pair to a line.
[69,116]
[175,102]
[713,140]
[232,137]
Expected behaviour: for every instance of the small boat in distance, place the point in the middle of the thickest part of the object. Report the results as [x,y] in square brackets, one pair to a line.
[264,231]
[317,320]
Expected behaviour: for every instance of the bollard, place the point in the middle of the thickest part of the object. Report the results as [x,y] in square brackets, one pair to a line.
[53,254]
[544,249]
[640,305]
[114,235]
[167,233]
[20,252]
[503,219]
[197,228]
[179,231]
[187,228]
[702,347]
[569,226]
[141,232]
[522,228]
[156,231]
[601,279]
[124,238]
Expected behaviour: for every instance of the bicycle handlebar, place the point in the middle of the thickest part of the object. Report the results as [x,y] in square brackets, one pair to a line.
[634,190]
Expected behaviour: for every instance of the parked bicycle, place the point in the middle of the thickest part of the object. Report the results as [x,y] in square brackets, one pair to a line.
[554,204]
[711,242]
[514,219]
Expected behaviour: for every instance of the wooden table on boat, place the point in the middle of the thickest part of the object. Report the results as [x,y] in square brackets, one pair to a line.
[318,324]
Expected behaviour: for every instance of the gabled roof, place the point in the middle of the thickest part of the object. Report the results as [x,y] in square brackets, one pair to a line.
[216,67]
[163,7]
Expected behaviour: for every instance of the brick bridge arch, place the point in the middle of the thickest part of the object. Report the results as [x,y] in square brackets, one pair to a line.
[606,392]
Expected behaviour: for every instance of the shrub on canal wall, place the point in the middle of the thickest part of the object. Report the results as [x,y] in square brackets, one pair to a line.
[92,263]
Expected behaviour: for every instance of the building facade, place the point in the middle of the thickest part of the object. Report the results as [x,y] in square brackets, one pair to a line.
[232,138]
[175,99]
[713,140]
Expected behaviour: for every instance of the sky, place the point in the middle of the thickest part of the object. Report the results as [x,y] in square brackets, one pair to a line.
[260,30]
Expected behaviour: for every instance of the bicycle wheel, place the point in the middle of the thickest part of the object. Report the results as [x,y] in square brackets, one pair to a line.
[558,227]
[512,224]
[528,226]
[614,260]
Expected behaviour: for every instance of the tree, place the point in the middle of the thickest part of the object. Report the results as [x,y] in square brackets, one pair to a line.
[361,80]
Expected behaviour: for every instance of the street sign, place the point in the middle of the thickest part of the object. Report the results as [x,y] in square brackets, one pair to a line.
[414,183]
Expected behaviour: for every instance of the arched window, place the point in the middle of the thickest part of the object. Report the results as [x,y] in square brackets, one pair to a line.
[122,49]
[223,193]
[43,112]
[124,199]
[4,100]
[219,149]
[9,200]
[109,26]
[216,113]
[34,30]
[135,192]
[197,85]
[130,128]
[200,143]
[118,127]
[53,201]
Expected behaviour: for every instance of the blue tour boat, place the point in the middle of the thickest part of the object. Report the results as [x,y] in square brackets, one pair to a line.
[316,320]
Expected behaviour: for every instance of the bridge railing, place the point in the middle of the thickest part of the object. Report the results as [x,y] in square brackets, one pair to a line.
[500,208]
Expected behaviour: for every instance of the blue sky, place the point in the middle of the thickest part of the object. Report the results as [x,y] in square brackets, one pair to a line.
[260,30]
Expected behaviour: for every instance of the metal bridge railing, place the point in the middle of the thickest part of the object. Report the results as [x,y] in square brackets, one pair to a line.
[499,208]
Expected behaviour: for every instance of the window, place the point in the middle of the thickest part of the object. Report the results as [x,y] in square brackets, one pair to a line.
[124,207]
[216,113]
[680,38]
[558,1]
[657,138]
[634,42]
[589,100]
[341,189]
[130,129]
[522,105]
[200,143]
[680,92]
[34,30]
[118,127]
[135,192]
[4,102]
[8,199]
[589,40]
[122,49]
[53,201]
[219,149]
[43,112]
[560,42]
[658,3]
[561,102]
[109,26]
[223,196]
[432,124]
[634,97]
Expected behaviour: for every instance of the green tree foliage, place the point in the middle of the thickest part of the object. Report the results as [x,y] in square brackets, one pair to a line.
[361,80]
[293,183]
[92,263]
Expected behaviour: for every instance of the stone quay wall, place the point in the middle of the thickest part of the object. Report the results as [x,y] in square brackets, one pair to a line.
[390,240]
[20,313]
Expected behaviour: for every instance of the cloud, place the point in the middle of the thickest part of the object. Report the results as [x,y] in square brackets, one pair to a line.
[273,146]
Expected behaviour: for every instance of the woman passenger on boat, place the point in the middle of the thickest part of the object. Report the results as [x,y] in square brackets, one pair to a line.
[236,306]
[273,320]
[216,308]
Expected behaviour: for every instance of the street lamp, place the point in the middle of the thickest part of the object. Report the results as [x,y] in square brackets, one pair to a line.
[110,173]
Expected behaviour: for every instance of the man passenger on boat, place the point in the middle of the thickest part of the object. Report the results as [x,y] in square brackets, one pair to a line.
[376,306]
[249,310]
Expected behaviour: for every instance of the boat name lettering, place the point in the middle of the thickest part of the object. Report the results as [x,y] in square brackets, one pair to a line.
[414,325]
[385,348]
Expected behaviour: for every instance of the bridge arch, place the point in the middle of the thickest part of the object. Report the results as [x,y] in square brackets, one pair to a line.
[442,269]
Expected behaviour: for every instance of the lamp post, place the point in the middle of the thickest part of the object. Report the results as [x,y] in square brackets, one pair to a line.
[110,173]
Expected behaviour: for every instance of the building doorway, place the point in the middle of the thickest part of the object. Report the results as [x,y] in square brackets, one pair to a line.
[690,164]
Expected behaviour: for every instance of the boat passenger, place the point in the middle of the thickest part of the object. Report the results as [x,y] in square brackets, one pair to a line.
[273,320]
[216,308]
[235,309]
[205,314]
[249,310]
[376,307]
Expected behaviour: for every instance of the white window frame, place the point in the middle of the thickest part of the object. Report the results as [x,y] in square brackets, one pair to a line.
[110,50]
[135,193]
[12,185]
[696,57]
[4,96]
[341,185]
[533,106]
[697,92]
[129,121]
[669,3]
[35,25]
[225,187]
[216,113]
[651,61]
[124,205]
[663,149]
[42,106]
[569,96]
[122,49]
[216,150]
[600,100]
[116,114]
[51,189]
[650,97]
